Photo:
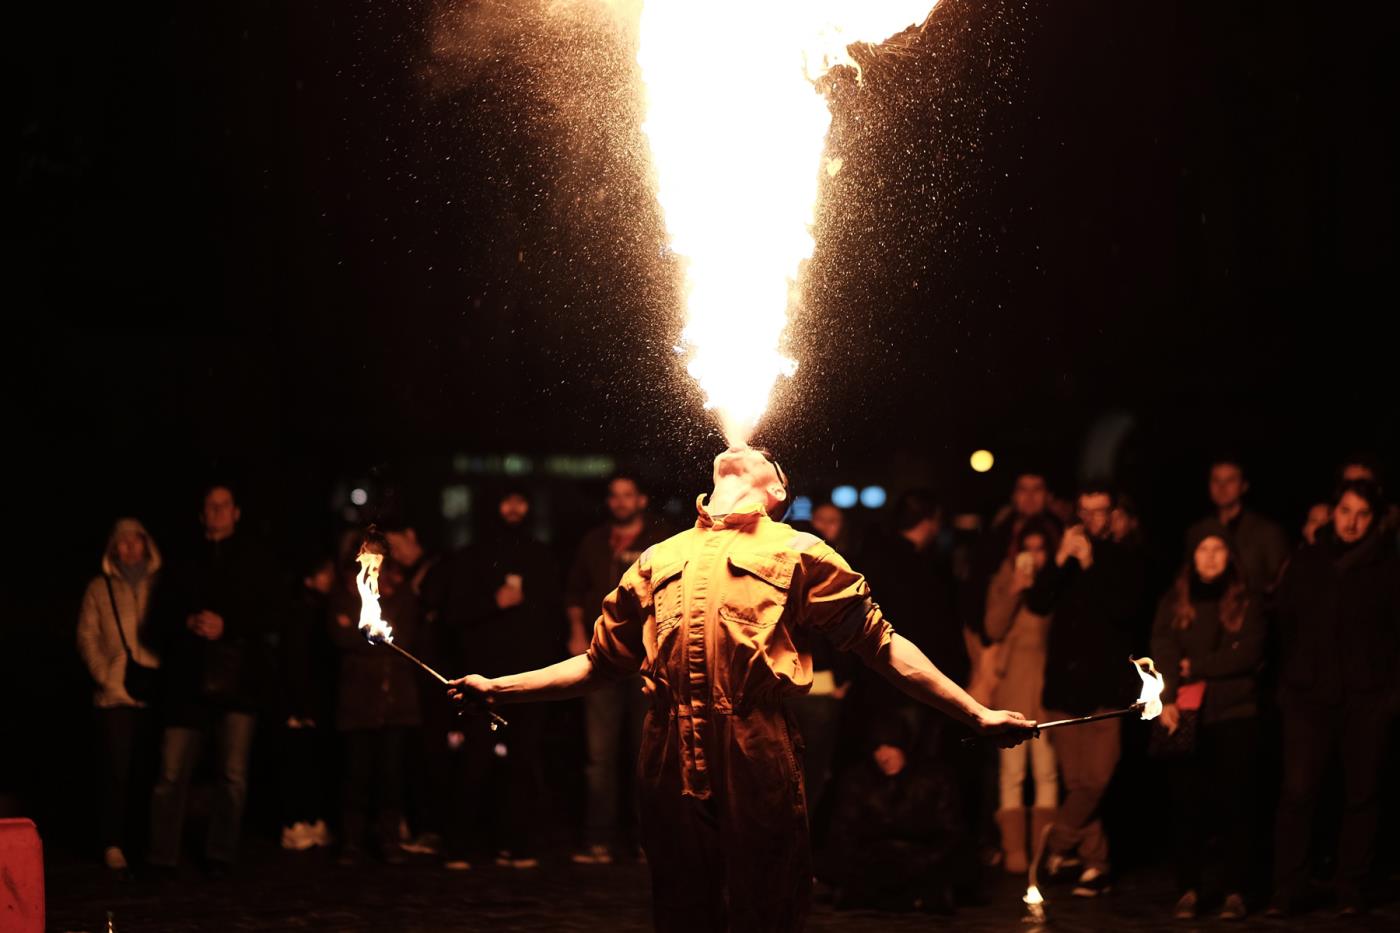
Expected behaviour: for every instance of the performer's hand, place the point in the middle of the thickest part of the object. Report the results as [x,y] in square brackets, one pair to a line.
[471,690]
[508,597]
[1007,728]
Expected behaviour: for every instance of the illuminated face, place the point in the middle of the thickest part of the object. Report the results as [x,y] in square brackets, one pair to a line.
[1029,494]
[889,759]
[1352,517]
[1212,557]
[1227,485]
[514,508]
[220,515]
[827,520]
[625,500]
[322,579]
[753,469]
[131,549]
[404,546]
[1094,509]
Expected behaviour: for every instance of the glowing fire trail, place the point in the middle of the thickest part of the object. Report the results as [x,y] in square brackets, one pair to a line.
[377,628]
[736,130]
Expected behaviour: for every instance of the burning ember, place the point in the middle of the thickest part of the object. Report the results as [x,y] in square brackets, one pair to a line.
[374,625]
[737,130]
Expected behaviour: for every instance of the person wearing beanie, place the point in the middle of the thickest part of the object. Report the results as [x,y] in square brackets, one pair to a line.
[1208,642]
[113,639]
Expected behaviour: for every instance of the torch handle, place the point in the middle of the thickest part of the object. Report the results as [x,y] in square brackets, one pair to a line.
[497,720]
[1078,721]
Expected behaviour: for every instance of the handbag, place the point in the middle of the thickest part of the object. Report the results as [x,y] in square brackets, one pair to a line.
[1182,742]
[141,682]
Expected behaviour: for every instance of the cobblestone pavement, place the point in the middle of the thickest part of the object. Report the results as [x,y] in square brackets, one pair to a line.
[305,891]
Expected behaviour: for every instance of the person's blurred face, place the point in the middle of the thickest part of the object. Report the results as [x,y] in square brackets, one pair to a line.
[889,759]
[827,519]
[404,546]
[131,549]
[1121,524]
[514,508]
[322,580]
[625,501]
[1227,485]
[1036,546]
[1094,509]
[1352,517]
[1212,557]
[220,515]
[1353,472]
[1029,494]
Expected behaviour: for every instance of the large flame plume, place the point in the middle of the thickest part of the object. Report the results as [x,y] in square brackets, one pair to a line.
[737,130]
[374,625]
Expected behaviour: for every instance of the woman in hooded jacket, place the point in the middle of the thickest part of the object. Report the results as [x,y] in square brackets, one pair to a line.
[1208,642]
[116,647]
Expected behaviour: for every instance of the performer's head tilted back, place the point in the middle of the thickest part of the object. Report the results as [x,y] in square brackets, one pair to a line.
[749,476]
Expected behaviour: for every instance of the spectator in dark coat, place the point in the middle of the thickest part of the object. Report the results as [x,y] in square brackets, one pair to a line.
[307,668]
[1339,618]
[896,839]
[1208,642]
[214,610]
[1259,545]
[376,706]
[1093,589]
[507,610]
[1030,499]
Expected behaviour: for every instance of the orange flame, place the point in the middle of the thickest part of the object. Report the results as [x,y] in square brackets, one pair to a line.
[1152,686]
[372,623]
[736,131]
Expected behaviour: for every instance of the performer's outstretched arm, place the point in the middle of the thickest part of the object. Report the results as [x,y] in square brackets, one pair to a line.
[571,678]
[902,663]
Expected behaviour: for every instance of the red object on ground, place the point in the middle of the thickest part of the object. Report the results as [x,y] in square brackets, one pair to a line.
[21,877]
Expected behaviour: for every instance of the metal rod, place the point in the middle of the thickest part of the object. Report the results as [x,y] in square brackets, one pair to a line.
[496,719]
[1080,720]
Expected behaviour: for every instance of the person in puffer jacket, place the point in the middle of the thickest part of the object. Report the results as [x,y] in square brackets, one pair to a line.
[111,634]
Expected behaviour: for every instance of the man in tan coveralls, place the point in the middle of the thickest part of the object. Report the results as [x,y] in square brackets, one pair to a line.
[717,620]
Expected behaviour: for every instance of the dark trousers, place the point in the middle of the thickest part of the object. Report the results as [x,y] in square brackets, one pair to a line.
[1088,756]
[126,752]
[373,778]
[1214,788]
[614,717]
[301,775]
[490,791]
[179,753]
[738,860]
[1314,735]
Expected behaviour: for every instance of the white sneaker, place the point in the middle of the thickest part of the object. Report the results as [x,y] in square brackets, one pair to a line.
[320,835]
[297,837]
[506,860]
[593,855]
[114,858]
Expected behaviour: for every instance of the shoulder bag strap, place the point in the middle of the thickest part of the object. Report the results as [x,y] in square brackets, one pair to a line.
[116,614]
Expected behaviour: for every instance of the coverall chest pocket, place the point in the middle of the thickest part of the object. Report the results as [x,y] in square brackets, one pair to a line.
[668,599]
[757,590]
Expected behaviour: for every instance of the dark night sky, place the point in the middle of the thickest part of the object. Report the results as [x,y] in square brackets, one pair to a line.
[285,240]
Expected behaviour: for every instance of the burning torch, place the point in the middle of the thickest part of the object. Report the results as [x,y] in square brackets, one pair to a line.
[377,628]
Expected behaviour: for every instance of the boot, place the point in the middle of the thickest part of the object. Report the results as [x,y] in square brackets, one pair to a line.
[1013,839]
[1042,818]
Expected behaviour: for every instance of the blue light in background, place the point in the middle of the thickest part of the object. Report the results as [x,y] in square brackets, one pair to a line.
[844,497]
[800,510]
[872,497]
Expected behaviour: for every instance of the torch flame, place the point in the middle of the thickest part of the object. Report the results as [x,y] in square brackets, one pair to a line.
[736,131]
[372,623]
[1152,685]
[1033,896]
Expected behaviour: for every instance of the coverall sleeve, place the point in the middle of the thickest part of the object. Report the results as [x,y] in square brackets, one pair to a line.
[836,601]
[617,649]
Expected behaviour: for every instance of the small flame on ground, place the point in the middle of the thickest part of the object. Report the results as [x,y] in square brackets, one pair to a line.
[737,130]
[374,625]
[1152,686]
[1033,896]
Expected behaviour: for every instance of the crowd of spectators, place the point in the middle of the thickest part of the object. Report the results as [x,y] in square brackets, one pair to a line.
[1269,651]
